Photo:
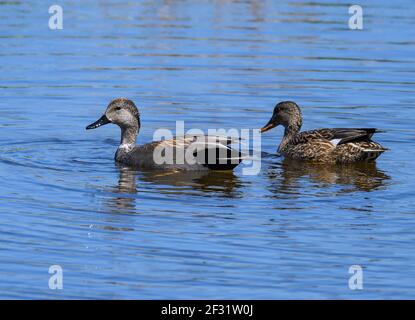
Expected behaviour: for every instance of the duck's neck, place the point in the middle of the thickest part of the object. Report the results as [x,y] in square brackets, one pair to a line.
[128,137]
[291,130]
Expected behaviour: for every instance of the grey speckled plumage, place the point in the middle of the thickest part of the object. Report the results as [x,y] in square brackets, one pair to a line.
[206,152]
[337,145]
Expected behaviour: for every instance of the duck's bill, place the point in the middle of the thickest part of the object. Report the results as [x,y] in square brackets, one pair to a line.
[100,122]
[267,127]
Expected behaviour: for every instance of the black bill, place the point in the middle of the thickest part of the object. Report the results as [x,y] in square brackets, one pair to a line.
[100,122]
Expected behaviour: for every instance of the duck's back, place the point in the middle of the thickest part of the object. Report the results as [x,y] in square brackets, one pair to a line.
[341,145]
[179,153]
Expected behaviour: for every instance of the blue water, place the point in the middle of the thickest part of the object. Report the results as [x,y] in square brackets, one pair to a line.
[292,231]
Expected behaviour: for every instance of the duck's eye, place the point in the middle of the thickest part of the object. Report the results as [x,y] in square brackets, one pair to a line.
[117,108]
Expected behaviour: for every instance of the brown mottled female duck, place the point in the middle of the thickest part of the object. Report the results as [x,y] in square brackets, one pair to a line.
[188,152]
[338,145]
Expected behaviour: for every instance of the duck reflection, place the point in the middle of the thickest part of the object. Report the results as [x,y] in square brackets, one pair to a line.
[203,183]
[288,176]
[124,192]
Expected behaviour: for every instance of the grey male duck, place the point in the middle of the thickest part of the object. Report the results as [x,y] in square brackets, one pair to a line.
[206,152]
[337,145]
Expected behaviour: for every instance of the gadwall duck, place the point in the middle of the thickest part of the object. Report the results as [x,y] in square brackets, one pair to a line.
[206,152]
[338,145]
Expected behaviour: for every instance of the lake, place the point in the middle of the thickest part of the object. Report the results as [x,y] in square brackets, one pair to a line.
[291,231]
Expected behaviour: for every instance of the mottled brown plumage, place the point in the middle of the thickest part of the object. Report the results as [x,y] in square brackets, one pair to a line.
[337,145]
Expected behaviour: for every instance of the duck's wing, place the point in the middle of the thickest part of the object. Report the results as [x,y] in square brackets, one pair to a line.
[225,140]
[336,136]
[210,151]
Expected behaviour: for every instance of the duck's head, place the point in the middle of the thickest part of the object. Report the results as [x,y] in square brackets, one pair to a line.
[287,114]
[120,111]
